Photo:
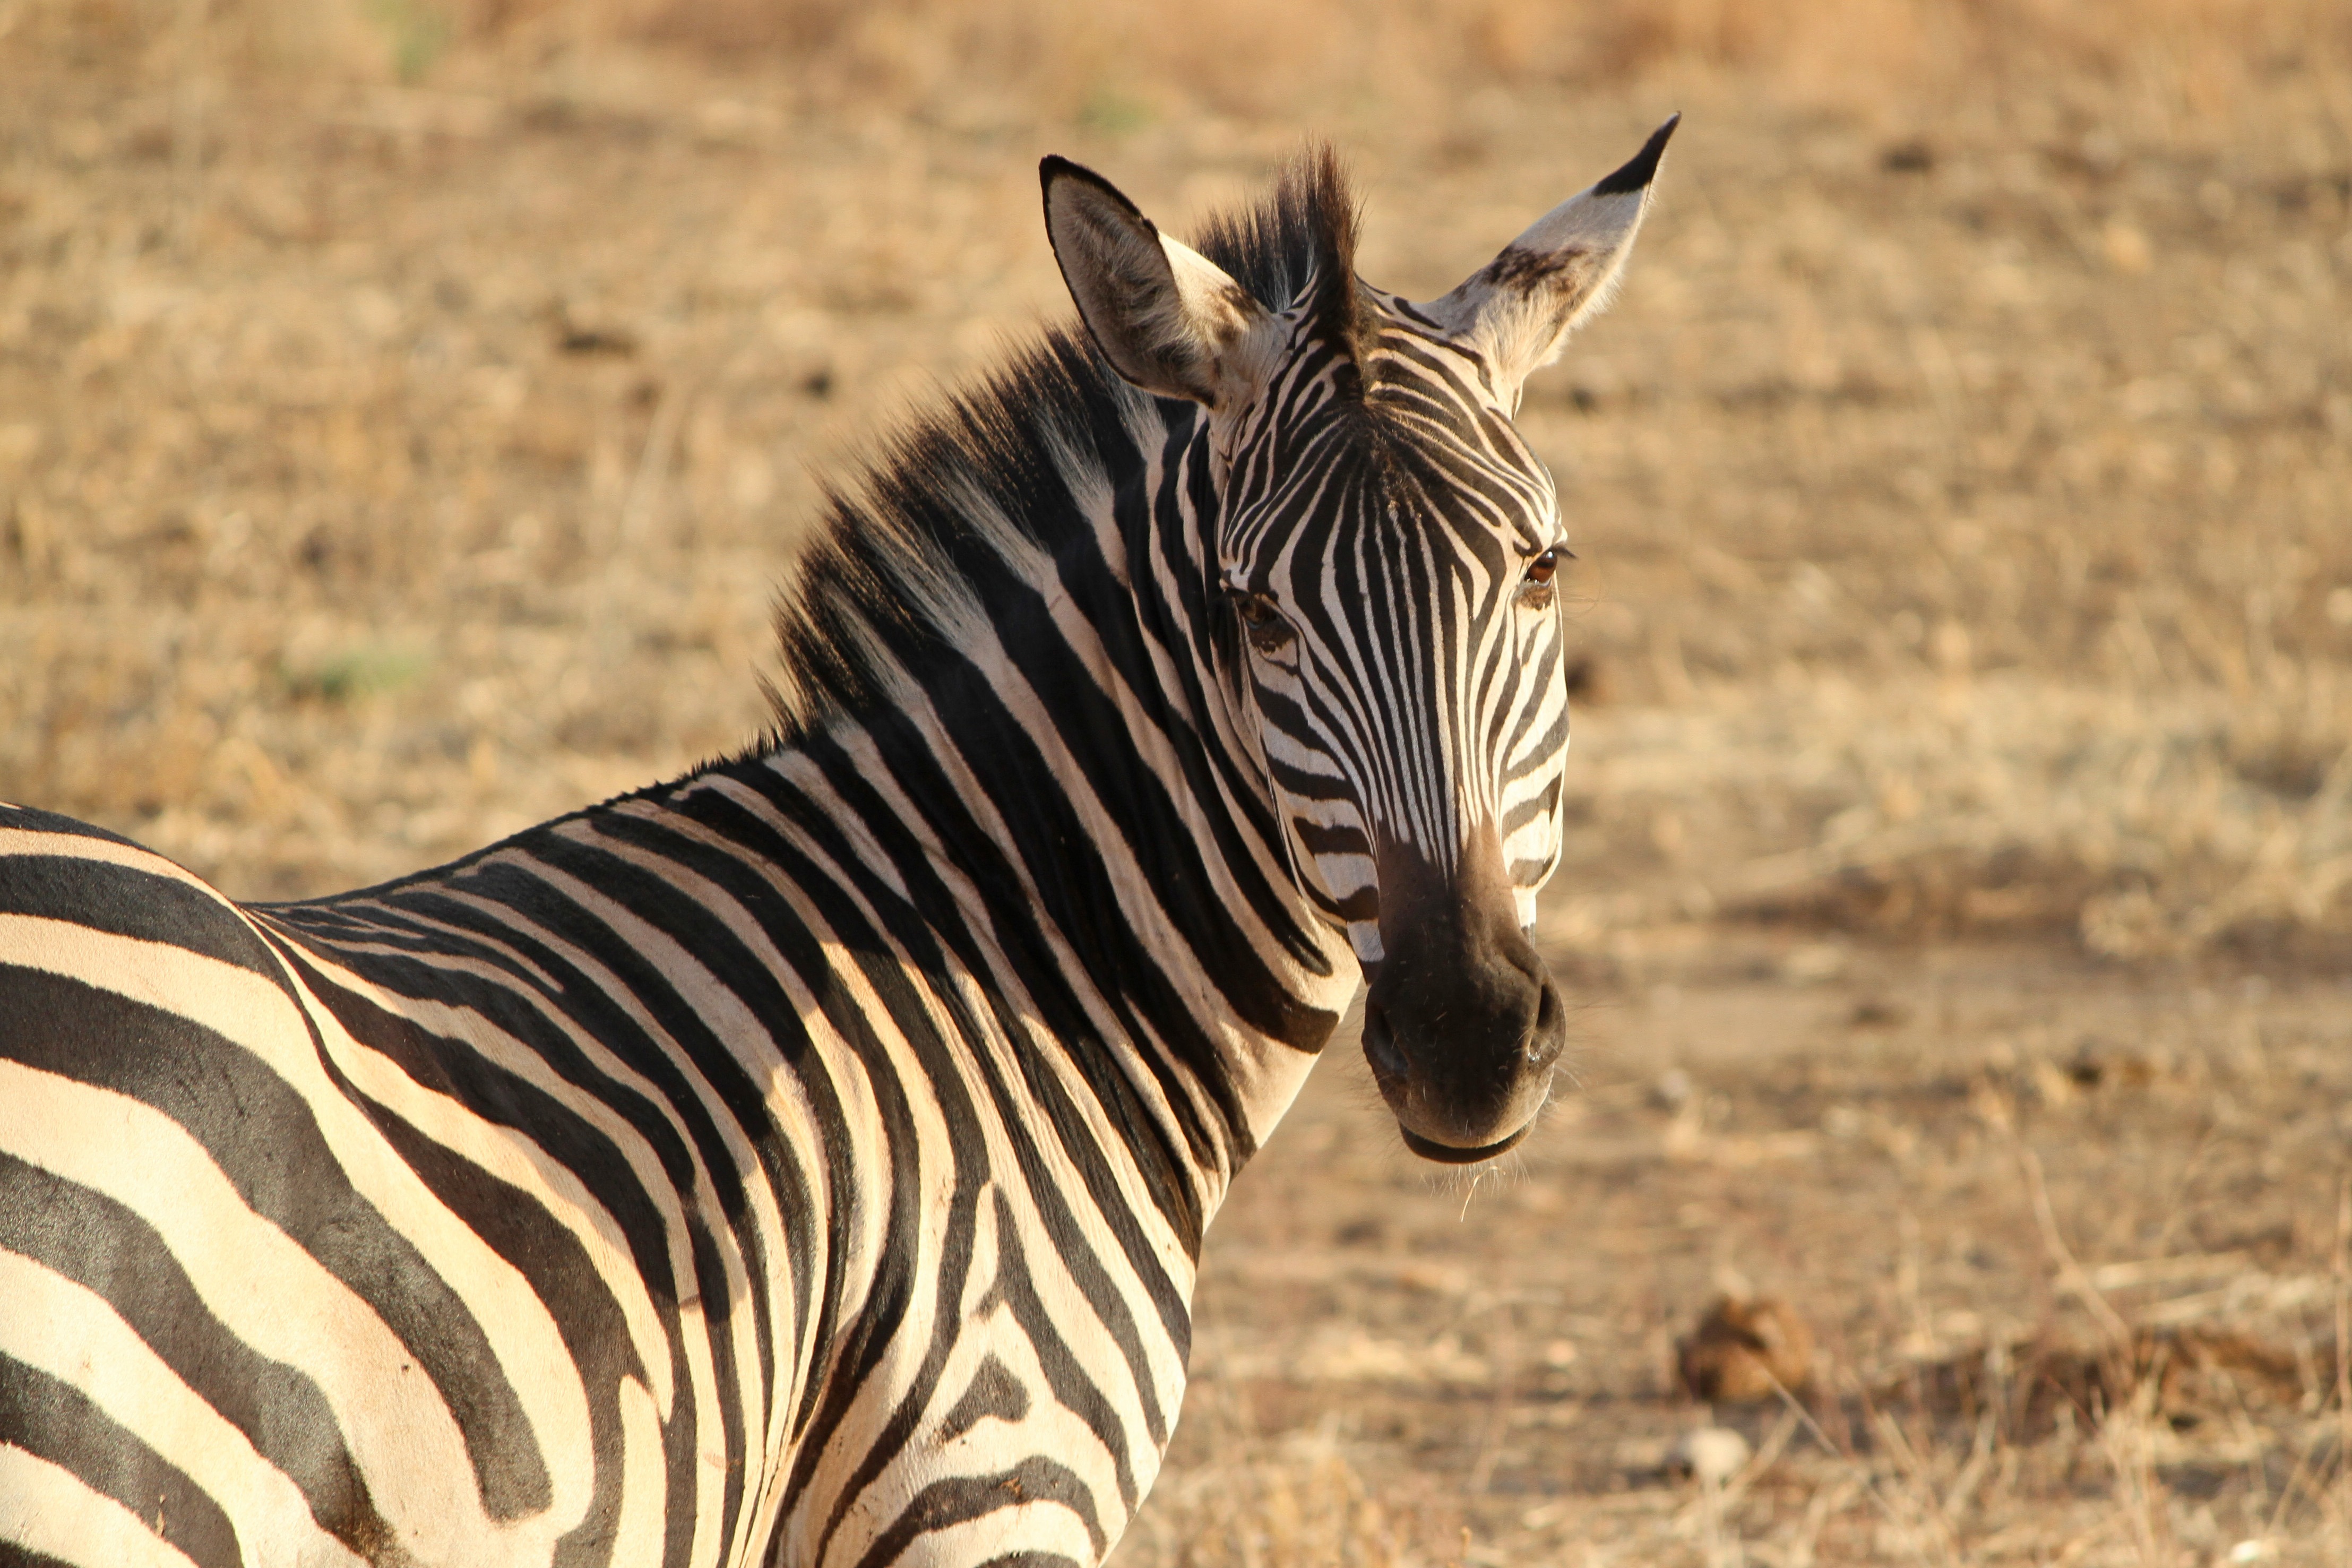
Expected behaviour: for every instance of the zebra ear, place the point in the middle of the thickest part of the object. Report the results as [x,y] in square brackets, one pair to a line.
[1169,319]
[1518,310]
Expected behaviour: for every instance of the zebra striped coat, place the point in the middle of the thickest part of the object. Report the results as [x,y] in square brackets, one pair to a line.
[806,1162]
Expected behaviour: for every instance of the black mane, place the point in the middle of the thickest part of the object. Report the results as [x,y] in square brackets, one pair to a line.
[1302,236]
[904,552]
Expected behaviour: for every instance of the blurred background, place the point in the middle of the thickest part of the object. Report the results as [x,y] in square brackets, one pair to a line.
[407,409]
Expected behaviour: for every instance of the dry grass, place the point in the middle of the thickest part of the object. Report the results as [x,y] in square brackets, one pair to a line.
[2069,1243]
[1119,59]
[1962,486]
[404,410]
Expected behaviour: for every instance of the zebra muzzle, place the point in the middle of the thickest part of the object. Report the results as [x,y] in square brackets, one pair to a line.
[1463,1023]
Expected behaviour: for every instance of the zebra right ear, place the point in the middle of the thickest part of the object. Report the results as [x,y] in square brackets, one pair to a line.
[1518,308]
[1169,319]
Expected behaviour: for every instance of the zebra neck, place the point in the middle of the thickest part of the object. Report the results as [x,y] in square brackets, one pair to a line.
[1048,797]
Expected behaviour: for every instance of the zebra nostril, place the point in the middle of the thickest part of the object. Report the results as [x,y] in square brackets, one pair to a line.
[1380,1046]
[1549,1034]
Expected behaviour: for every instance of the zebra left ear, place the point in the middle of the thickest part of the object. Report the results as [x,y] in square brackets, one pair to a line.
[1518,311]
[1169,319]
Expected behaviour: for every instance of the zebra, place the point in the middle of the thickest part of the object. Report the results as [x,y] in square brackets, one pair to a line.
[806,1162]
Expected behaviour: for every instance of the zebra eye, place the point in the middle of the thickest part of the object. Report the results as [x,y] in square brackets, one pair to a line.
[1268,632]
[1541,569]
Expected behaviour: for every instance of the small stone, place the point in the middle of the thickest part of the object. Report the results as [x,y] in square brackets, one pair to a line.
[1713,1454]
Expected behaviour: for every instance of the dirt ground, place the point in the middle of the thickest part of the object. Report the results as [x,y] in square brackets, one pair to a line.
[407,414]
[1394,1367]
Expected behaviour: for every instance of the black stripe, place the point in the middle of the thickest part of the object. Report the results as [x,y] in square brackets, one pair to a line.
[583,1000]
[993,1394]
[124,900]
[1101,1067]
[941,1075]
[1016,1107]
[512,1222]
[649,897]
[264,1139]
[862,1342]
[87,1237]
[723,954]
[58,1423]
[1072,1388]
[516,1226]
[1013,1116]
[1100,743]
[1025,941]
[29,819]
[15,1556]
[1119,607]
[516,1001]
[962,1498]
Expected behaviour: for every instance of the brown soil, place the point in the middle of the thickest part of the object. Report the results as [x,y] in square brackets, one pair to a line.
[1390,1359]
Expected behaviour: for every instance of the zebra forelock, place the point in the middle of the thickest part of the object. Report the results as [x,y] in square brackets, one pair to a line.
[1296,251]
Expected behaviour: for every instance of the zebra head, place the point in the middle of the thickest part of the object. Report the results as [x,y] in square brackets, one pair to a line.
[1380,547]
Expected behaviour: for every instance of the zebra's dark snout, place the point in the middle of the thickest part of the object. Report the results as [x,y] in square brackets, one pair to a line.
[1462,1025]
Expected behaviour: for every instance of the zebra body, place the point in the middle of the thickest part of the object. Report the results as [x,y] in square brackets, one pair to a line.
[807,1162]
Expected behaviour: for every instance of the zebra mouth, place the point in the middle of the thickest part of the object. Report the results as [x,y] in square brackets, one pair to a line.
[1447,1155]
[1393,1074]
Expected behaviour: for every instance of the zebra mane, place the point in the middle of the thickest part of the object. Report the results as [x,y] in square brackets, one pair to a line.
[922,537]
[1300,240]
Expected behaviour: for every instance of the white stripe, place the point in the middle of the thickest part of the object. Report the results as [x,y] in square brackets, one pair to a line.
[797,1132]
[249,1010]
[512,1155]
[1027,1531]
[748,1038]
[271,1294]
[16,841]
[638,1534]
[76,1337]
[46,1509]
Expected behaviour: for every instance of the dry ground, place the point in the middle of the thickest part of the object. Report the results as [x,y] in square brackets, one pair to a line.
[406,412]
[1397,1369]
